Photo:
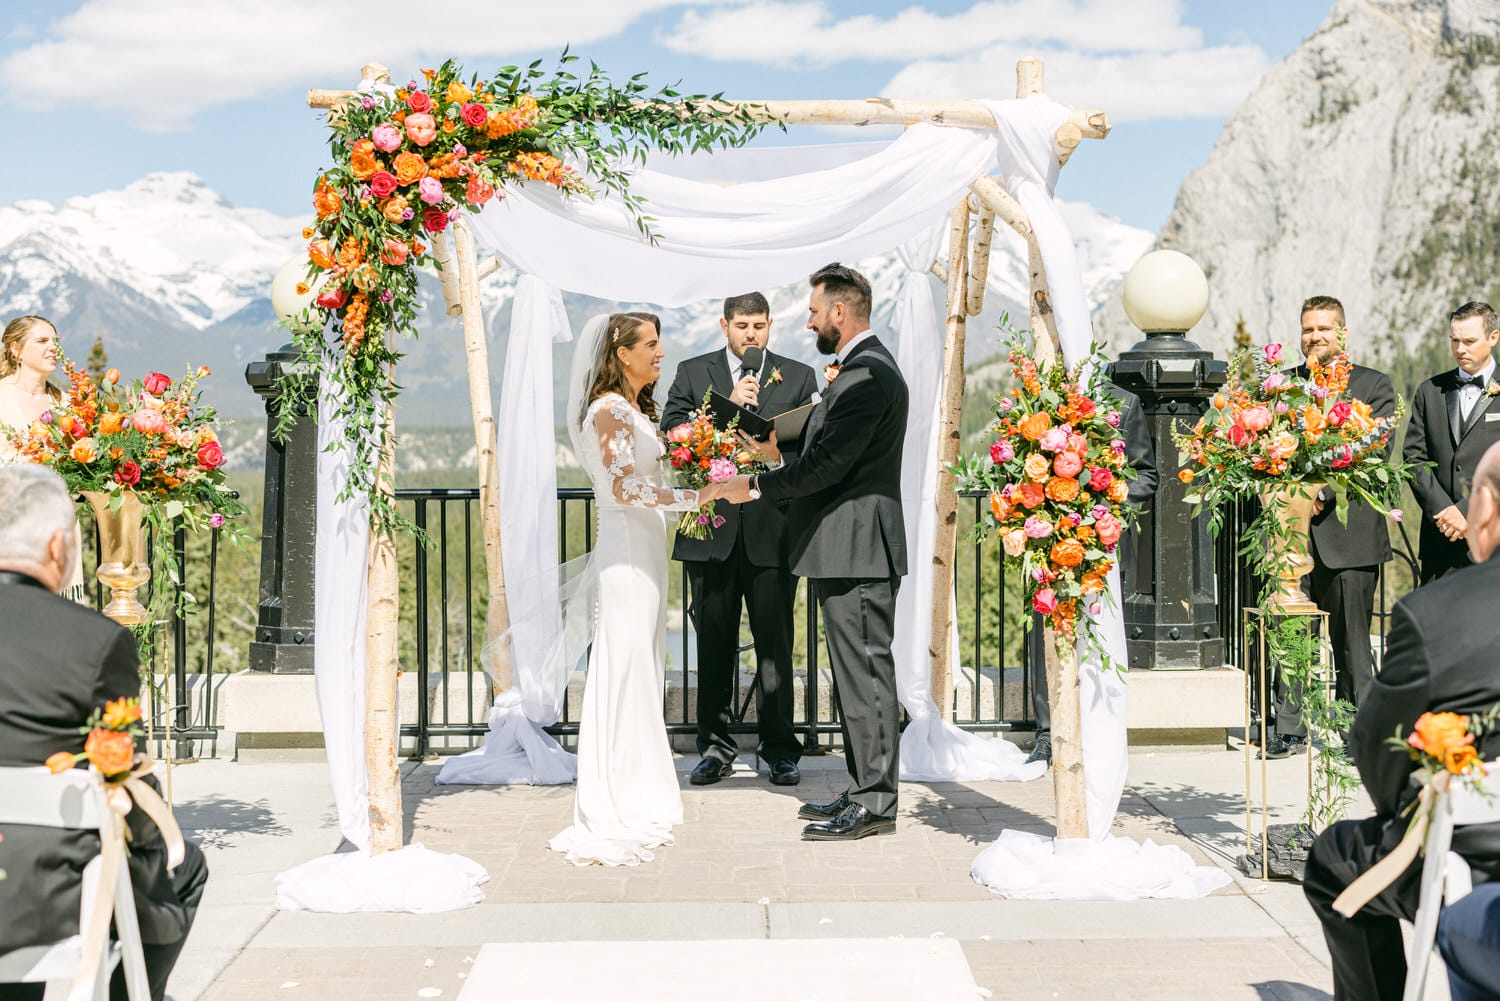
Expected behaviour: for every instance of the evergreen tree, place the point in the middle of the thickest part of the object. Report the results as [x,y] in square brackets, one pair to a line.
[98,362]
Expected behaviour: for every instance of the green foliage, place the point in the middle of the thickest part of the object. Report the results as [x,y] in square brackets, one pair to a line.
[98,360]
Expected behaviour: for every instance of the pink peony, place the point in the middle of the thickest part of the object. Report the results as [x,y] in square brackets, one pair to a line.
[1108,528]
[1273,354]
[1055,440]
[1255,418]
[1274,382]
[1100,479]
[421,129]
[1095,609]
[1067,464]
[1339,413]
[1281,408]
[720,470]
[386,137]
[682,454]
[680,433]
[478,190]
[149,421]
[1006,405]
[1044,601]
[430,190]
[1078,443]
[1037,527]
[1002,451]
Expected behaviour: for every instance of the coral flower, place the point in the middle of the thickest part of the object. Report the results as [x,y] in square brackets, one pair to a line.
[1033,426]
[409,167]
[395,209]
[421,129]
[1067,553]
[1032,495]
[1062,489]
[111,751]
[320,252]
[149,420]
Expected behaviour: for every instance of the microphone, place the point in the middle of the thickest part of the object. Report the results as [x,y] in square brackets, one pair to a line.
[752,359]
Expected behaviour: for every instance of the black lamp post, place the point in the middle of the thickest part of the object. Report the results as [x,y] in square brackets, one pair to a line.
[1170,597]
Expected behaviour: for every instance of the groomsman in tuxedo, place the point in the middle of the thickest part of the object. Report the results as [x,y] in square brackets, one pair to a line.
[1346,558]
[1440,658]
[848,539]
[744,559]
[59,662]
[1454,419]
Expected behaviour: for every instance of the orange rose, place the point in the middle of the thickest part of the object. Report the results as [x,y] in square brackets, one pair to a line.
[1439,734]
[326,201]
[410,168]
[1062,489]
[84,450]
[1035,425]
[362,165]
[1118,491]
[1067,553]
[320,252]
[111,751]
[1037,467]
[60,762]
[394,209]
[1000,507]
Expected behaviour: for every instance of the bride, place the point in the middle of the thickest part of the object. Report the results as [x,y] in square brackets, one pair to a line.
[628,798]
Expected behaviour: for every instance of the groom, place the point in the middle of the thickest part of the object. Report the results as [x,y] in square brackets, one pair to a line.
[847,538]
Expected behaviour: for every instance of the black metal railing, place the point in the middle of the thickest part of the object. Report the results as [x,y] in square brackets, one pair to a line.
[448,602]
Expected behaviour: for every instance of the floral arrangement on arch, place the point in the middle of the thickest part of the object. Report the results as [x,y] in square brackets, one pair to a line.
[1281,428]
[152,437]
[407,161]
[699,453]
[1057,478]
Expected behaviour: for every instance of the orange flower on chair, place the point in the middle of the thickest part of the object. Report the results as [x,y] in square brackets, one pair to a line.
[112,752]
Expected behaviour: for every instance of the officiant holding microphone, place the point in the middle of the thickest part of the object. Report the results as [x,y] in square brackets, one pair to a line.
[744,561]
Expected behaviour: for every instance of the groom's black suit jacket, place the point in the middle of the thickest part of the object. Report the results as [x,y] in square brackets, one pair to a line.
[761,523]
[845,518]
[1438,434]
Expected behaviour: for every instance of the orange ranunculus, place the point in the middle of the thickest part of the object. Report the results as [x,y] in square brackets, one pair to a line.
[394,208]
[1092,581]
[410,167]
[111,751]
[1032,495]
[120,713]
[1062,489]
[1118,491]
[1185,475]
[60,762]
[1439,734]
[1460,759]
[363,164]
[1000,507]
[326,201]
[1067,553]
[1037,467]
[320,252]
[111,423]
[1035,425]
[84,450]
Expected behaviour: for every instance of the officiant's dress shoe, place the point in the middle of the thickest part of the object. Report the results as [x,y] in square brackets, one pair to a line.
[854,823]
[785,773]
[1042,751]
[709,771]
[824,811]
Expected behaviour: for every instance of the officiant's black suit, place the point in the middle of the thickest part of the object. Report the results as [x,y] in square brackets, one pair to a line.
[58,663]
[1440,658]
[1438,434]
[848,538]
[744,559]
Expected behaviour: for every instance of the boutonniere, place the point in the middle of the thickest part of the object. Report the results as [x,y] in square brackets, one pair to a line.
[1493,389]
[775,377]
[829,371]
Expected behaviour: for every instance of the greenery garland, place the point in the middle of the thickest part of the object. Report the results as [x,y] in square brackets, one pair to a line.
[409,160]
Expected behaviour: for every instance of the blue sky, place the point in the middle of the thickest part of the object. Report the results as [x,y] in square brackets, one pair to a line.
[100,92]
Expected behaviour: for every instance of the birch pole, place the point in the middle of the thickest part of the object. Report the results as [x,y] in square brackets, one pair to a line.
[939,645]
[381,663]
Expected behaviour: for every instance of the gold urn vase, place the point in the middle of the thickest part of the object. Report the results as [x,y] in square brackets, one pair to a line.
[1292,507]
[122,554]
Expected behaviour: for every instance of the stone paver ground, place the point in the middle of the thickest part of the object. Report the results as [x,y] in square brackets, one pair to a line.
[738,870]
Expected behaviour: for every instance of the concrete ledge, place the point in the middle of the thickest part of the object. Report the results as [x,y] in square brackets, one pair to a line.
[1185,707]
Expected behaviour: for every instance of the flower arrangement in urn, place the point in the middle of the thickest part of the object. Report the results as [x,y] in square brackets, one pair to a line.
[699,453]
[1057,479]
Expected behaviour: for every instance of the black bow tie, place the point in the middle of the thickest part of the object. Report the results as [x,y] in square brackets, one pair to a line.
[1477,381]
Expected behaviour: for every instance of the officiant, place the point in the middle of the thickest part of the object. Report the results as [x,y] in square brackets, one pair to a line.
[743,562]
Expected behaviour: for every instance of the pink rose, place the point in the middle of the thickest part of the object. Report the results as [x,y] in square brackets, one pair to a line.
[383,183]
[149,421]
[1014,542]
[419,102]
[421,129]
[1044,601]
[386,137]
[156,383]
[1238,436]
[210,456]
[1273,354]
[430,190]
[1100,479]
[680,433]
[1067,464]
[216,521]
[1055,440]
[1108,528]
[477,191]
[720,470]
[1001,452]
[434,220]
[1343,456]
[475,115]
[1339,413]
[1037,528]
[1255,418]
[333,298]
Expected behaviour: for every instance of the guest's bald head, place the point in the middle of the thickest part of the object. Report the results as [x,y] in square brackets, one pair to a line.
[1483,534]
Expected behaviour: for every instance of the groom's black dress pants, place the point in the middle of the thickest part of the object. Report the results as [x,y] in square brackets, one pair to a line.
[858,622]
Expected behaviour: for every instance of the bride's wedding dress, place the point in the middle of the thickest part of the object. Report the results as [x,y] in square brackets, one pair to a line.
[628,798]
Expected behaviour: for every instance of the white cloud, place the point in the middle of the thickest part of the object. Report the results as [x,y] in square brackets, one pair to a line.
[160,62]
[1138,60]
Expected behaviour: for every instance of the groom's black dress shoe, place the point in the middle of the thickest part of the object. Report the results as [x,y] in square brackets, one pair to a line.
[785,773]
[824,811]
[709,771]
[854,823]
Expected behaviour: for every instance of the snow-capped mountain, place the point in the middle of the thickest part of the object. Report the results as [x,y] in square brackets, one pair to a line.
[169,273]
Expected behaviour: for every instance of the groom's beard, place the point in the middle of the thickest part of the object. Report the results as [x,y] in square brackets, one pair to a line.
[828,341]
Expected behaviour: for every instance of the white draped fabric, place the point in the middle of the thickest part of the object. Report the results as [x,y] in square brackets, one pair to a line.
[1019,864]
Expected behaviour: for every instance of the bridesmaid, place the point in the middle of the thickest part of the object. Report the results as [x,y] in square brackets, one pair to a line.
[28,357]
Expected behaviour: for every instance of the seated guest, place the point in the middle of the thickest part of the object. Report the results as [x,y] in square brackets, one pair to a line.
[1440,658]
[1468,936]
[58,663]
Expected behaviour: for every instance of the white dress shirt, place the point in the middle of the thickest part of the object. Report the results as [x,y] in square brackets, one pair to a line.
[1469,394]
[839,358]
[736,367]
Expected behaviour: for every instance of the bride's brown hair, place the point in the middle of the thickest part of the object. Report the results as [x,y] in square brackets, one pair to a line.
[16,332]
[625,330]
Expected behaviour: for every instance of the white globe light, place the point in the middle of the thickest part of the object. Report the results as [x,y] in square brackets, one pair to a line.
[1166,292]
[293,311]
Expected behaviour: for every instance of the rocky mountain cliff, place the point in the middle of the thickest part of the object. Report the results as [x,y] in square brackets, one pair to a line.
[1365,166]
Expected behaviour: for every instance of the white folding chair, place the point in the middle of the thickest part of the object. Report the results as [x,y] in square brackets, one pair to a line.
[74,800]
[1445,874]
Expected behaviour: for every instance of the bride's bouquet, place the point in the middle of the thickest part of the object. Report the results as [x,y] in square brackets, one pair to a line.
[700,452]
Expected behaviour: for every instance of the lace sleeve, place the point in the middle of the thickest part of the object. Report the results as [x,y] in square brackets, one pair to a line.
[615,426]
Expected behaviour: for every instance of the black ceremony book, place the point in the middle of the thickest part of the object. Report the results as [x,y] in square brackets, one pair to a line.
[788,425]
